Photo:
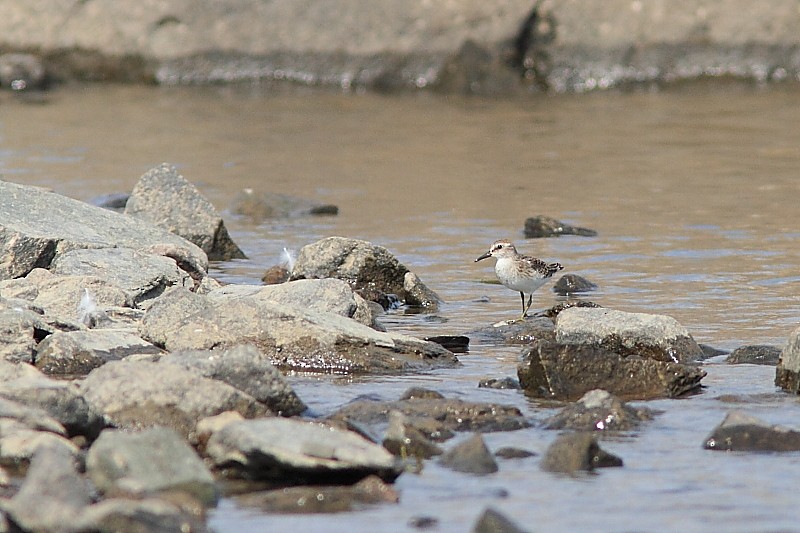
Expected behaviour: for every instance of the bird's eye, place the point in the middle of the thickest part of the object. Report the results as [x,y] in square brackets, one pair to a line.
[498,247]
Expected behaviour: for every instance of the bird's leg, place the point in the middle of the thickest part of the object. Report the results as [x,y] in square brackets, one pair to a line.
[528,307]
[524,309]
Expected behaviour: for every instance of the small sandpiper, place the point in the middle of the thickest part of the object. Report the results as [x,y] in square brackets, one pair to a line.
[519,272]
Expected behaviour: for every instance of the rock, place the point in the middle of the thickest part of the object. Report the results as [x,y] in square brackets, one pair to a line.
[573,284]
[246,369]
[787,372]
[295,452]
[742,433]
[499,383]
[597,410]
[477,70]
[265,205]
[276,275]
[327,499]
[115,201]
[454,343]
[553,312]
[19,443]
[305,340]
[142,276]
[418,393]
[542,226]
[710,351]
[516,332]
[567,371]
[404,440]
[492,521]
[148,463]
[759,354]
[52,495]
[148,515]
[656,337]
[166,199]
[75,353]
[470,456]
[37,226]
[363,265]
[417,294]
[141,394]
[31,417]
[20,330]
[509,452]
[21,72]
[575,452]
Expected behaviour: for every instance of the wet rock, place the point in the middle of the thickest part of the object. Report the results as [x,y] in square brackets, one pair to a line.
[787,372]
[166,199]
[404,440]
[656,337]
[141,394]
[597,410]
[275,275]
[52,495]
[148,515]
[360,263]
[553,312]
[509,452]
[575,452]
[542,226]
[492,521]
[21,72]
[499,383]
[37,226]
[567,371]
[296,339]
[454,343]
[259,206]
[76,353]
[573,284]
[516,332]
[710,351]
[148,463]
[417,393]
[477,70]
[742,433]
[470,456]
[759,354]
[246,369]
[296,452]
[417,294]
[328,499]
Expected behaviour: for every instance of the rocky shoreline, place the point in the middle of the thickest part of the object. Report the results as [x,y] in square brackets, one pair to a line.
[135,388]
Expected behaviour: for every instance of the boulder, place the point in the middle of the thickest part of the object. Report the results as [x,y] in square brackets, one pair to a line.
[742,433]
[37,226]
[166,199]
[20,331]
[568,371]
[259,206]
[140,394]
[787,372]
[147,515]
[299,339]
[759,354]
[296,451]
[656,337]
[19,443]
[246,369]
[597,410]
[148,463]
[575,452]
[29,416]
[470,456]
[76,353]
[543,226]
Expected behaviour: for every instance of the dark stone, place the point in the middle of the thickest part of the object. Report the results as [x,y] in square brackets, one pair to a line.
[518,332]
[266,205]
[502,383]
[471,457]
[710,351]
[513,453]
[404,440]
[476,70]
[454,343]
[743,433]
[575,452]
[572,284]
[597,410]
[492,521]
[542,226]
[567,371]
[759,354]
[417,393]
[423,522]
[115,201]
[553,312]
[22,72]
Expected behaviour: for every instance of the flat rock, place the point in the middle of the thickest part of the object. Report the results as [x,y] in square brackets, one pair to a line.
[259,206]
[470,456]
[245,368]
[140,394]
[787,372]
[657,337]
[743,433]
[759,354]
[296,451]
[166,199]
[597,410]
[575,452]
[516,331]
[76,353]
[37,226]
[568,371]
[543,226]
[147,463]
[294,339]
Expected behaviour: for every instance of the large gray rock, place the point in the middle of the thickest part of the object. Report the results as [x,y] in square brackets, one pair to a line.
[787,373]
[166,199]
[147,463]
[147,515]
[37,226]
[296,451]
[657,337]
[76,353]
[248,370]
[304,340]
[137,394]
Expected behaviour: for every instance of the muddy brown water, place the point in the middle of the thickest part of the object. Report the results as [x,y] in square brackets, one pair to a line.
[693,193]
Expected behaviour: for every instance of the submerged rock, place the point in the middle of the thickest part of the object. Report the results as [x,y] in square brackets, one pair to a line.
[575,452]
[573,284]
[406,441]
[259,206]
[166,199]
[742,433]
[470,456]
[597,410]
[516,332]
[542,226]
[787,372]
[759,354]
[499,383]
[492,521]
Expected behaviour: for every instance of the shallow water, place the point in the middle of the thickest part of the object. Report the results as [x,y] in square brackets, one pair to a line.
[693,193]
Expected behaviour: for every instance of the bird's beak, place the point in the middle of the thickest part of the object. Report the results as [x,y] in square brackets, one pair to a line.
[484,256]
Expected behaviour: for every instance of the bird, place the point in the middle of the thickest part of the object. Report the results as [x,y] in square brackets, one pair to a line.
[519,272]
